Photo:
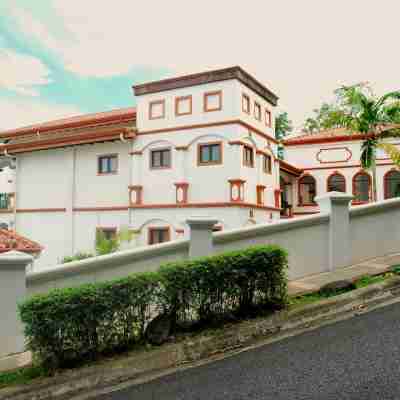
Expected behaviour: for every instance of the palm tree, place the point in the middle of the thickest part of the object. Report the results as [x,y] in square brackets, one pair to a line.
[377,119]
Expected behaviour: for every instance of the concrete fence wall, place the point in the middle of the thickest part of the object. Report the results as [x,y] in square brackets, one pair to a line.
[335,238]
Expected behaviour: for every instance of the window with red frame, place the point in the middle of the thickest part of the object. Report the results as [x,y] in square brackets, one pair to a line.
[336,183]
[248,156]
[307,190]
[362,187]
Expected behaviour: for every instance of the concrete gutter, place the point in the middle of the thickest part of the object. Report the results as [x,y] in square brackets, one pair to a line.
[145,365]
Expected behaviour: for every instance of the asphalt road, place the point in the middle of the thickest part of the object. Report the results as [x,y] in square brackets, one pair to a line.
[354,359]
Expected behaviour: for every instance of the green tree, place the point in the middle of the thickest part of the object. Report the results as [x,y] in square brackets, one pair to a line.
[321,118]
[377,118]
[106,245]
[283,126]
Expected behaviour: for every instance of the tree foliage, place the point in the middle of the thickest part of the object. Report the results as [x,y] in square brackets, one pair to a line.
[283,125]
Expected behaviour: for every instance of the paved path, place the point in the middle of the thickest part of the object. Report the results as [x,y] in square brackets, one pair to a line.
[354,359]
[371,267]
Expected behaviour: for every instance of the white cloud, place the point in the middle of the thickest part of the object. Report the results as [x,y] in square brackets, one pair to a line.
[22,73]
[27,111]
[302,50]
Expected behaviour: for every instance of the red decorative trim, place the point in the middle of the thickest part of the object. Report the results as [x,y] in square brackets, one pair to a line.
[112,208]
[211,124]
[44,210]
[344,166]
[299,200]
[83,138]
[334,148]
[138,190]
[136,153]
[333,174]
[205,205]
[206,95]
[237,184]
[179,99]
[260,194]
[277,197]
[181,186]
[362,172]
[386,182]
[329,139]
[183,148]
[154,103]
[179,231]
[305,213]
[237,142]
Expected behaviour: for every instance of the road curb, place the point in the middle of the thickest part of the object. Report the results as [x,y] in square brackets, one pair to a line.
[144,365]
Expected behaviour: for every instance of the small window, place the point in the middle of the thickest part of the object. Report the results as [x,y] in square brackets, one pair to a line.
[160,158]
[213,101]
[246,103]
[157,109]
[362,187]
[267,164]
[108,233]
[268,118]
[307,190]
[210,153]
[108,164]
[248,156]
[337,183]
[257,111]
[260,194]
[158,235]
[183,105]
[392,184]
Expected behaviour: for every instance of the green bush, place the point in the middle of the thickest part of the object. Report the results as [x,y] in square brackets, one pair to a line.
[67,326]
[76,257]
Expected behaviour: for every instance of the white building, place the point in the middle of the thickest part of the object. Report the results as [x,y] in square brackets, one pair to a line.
[201,144]
[195,145]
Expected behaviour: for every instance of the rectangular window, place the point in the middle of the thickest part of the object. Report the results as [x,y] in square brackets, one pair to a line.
[267,164]
[213,101]
[157,109]
[210,153]
[248,156]
[268,118]
[257,111]
[160,158]
[260,195]
[109,233]
[246,103]
[158,235]
[183,105]
[107,164]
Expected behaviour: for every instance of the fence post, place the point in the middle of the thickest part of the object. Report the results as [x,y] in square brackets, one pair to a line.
[12,290]
[201,242]
[337,205]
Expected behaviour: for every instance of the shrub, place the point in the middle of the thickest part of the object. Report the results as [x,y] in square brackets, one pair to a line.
[67,326]
[76,257]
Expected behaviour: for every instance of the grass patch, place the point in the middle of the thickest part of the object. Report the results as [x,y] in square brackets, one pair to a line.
[22,376]
[370,280]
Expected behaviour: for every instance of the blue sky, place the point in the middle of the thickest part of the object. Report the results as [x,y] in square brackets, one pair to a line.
[60,58]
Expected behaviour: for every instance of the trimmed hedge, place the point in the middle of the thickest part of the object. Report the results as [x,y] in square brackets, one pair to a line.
[67,326]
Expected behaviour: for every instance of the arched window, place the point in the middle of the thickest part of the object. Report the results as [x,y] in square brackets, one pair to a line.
[362,187]
[392,184]
[336,183]
[307,190]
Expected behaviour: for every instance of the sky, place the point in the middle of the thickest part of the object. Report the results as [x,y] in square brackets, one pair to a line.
[66,57]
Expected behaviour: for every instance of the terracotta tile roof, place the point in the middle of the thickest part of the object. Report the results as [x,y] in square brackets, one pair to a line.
[289,168]
[77,121]
[315,137]
[328,135]
[9,240]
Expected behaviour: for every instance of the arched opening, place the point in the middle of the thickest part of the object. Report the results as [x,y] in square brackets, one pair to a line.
[337,183]
[362,187]
[392,184]
[307,190]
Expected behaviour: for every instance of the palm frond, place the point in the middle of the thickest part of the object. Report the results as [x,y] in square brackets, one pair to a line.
[388,96]
[392,151]
[368,152]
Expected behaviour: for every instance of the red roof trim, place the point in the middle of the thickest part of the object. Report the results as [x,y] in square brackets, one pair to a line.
[328,139]
[121,115]
[289,168]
